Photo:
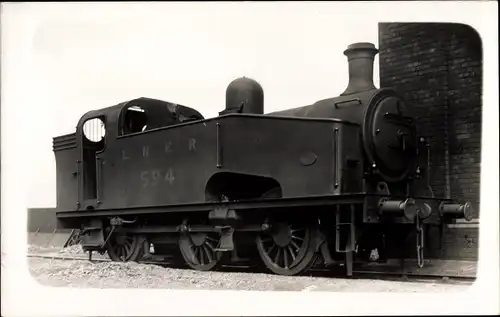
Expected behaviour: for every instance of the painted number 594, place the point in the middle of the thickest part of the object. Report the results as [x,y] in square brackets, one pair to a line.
[154,177]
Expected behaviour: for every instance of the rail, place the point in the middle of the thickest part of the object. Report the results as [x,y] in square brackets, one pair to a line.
[315,272]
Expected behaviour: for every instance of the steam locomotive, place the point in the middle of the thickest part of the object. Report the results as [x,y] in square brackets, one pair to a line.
[316,185]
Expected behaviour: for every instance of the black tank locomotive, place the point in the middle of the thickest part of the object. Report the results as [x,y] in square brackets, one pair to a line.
[314,185]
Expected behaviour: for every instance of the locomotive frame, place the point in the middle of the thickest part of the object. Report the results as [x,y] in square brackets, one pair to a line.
[297,188]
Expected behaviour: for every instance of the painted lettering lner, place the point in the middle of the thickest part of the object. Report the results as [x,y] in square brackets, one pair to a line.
[168,148]
[192,144]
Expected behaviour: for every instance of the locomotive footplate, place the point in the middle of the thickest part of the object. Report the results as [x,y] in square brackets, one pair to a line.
[66,217]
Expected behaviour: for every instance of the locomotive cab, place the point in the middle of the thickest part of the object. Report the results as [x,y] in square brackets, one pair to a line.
[95,131]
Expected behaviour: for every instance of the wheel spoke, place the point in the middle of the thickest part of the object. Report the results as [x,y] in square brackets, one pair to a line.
[212,239]
[202,255]
[271,249]
[290,250]
[207,252]
[210,245]
[285,257]
[297,230]
[196,255]
[127,248]
[276,257]
[297,247]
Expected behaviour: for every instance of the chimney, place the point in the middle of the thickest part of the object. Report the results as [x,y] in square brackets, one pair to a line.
[360,57]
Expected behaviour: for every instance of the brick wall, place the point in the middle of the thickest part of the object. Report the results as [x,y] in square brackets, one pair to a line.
[437,68]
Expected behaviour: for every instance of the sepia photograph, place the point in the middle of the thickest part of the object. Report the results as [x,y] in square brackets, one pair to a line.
[293,149]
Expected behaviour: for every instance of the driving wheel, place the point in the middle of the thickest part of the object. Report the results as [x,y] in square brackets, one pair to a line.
[288,248]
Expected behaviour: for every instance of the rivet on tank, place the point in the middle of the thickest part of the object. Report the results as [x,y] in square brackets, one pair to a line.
[244,95]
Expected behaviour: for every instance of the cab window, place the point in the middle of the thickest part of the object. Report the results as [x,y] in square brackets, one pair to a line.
[134,120]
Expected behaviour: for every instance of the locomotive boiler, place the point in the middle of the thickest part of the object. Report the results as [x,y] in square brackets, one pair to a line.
[316,185]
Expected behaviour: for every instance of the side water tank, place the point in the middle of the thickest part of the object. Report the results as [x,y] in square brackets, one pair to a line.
[244,95]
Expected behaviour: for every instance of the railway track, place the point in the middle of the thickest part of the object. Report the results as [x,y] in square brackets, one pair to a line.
[315,272]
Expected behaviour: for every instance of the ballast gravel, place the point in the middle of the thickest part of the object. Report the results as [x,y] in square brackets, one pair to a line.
[85,274]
